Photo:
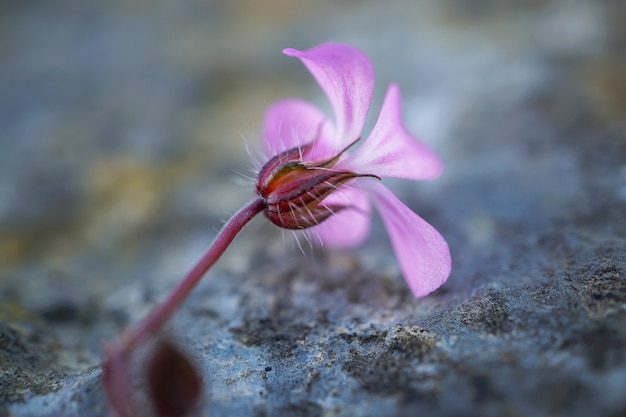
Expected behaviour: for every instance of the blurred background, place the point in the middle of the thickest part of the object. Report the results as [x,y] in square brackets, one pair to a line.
[124,126]
[123,123]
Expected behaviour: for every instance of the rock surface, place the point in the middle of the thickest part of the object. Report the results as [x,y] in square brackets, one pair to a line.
[119,130]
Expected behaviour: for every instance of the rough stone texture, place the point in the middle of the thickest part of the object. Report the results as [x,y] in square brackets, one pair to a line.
[119,127]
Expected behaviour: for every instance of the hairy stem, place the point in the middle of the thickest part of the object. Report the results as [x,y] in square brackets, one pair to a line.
[118,354]
[151,324]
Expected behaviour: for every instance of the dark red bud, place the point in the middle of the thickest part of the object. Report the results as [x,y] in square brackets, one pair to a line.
[294,190]
[174,382]
[271,169]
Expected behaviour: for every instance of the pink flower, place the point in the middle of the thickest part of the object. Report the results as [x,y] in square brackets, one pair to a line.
[311,181]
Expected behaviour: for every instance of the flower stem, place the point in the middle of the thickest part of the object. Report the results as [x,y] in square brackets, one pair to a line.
[150,325]
[118,355]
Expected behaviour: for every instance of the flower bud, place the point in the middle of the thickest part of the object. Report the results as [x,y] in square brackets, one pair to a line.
[175,384]
[293,190]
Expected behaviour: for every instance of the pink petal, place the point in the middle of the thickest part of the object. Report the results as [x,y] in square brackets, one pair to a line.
[347,77]
[292,123]
[390,151]
[349,227]
[423,254]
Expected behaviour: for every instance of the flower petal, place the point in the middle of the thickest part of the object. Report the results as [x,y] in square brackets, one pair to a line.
[390,151]
[292,123]
[347,77]
[349,227]
[422,252]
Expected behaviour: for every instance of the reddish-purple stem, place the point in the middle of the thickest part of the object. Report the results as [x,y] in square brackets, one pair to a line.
[151,324]
[116,366]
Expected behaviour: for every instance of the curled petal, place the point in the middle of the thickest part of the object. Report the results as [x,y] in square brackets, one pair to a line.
[293,123]
[347,77]
[348,227]
[423,254]
[390,151]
